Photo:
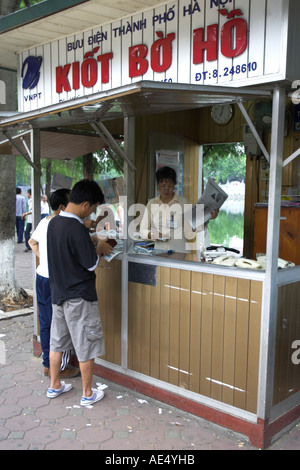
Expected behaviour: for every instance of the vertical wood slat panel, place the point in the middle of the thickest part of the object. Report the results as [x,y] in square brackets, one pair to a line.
[241,358]
[184,329]
[196,320]
[136,324]
[217,337]
[110,308]
[200,332]
[286,378]
[206,335]
[155,308]
[229,339]
[164,325]
[254,343]
[145,330]
[174,326]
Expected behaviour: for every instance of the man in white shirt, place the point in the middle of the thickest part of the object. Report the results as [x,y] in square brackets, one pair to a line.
[38,243]
[29,220]
[20,209]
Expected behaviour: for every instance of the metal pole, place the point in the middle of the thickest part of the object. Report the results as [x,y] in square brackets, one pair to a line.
[129,178]
[36,205]
[270,291]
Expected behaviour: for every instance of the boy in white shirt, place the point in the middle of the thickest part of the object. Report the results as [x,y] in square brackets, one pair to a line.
[38,243]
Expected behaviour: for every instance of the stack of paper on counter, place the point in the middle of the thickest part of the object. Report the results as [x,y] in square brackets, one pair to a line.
[213,197]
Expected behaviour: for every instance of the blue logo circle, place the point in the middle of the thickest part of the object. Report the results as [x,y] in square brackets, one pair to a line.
[32,74]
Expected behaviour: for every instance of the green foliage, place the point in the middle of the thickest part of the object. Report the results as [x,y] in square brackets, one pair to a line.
[28,3]
[225,227]
[224,162]
[104,168]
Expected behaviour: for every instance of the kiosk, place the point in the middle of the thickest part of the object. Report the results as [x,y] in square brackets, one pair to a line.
[217,341]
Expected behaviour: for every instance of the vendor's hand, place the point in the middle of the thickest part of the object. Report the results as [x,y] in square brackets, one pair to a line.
[154,235]
[23,216]
[95,239]
[104,248]
[214,214]
[90,224]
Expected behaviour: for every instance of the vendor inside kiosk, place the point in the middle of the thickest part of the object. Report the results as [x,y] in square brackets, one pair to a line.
[206,330]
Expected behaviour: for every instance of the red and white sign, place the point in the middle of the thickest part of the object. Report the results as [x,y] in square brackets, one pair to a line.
[205,42]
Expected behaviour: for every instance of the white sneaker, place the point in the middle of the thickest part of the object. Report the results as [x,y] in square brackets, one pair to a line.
[53,393]
[96,396]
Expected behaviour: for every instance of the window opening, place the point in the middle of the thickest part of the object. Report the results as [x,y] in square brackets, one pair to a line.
[226,164]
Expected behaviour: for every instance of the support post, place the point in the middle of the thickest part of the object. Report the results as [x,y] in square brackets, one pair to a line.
[36,205]
[129,183]
[270,292]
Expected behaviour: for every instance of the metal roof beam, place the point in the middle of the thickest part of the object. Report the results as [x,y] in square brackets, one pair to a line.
[254,131]
[99,127]
[24,154]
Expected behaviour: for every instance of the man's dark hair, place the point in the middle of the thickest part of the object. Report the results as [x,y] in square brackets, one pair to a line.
[18,191]
[58,198]
[29,191]
[164,173]
[87,191]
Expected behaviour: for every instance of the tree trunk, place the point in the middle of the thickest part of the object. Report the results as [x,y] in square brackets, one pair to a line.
[88,166]
[9,290]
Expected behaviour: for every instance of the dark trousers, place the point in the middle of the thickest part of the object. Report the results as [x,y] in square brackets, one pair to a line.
[20,228]
[27,234]
[44,301]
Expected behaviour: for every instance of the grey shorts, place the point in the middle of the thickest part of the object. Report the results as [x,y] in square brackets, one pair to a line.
[76,323]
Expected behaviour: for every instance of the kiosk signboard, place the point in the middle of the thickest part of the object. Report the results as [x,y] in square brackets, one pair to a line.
[204,42]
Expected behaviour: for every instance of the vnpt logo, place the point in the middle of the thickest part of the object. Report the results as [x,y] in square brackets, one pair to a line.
[31,72]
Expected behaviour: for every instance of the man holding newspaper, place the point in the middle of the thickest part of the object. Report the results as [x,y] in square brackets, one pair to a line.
[171,221]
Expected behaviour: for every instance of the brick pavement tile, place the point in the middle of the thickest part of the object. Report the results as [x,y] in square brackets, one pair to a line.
[119,444]
[21,423]
[72,422]
[52,411]
[173,444]
[4,433]
[6,383]
[42,435]
[95,434]
[33,401]
[15,393]
[10,410]
[65,444]
[14,444]
[16,435]
[12,369]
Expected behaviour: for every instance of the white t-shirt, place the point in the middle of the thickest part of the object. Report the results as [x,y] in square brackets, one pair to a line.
[44,208]
[29,220]
[40,236]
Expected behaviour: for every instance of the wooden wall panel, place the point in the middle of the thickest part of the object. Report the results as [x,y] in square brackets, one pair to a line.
[108,277]
[287,374]
[196,325]
[202,334]
[174,326]
[230,313]
[206,335]
[242,332]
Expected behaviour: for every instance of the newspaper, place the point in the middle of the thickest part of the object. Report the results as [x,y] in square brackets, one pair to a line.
[213,197]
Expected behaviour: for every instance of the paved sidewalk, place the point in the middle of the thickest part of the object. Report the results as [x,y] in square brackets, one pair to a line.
[123,420]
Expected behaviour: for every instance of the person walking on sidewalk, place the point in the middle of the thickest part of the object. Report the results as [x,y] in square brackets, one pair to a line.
[38,243]
[29,220]
[72,259]
[20,209]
